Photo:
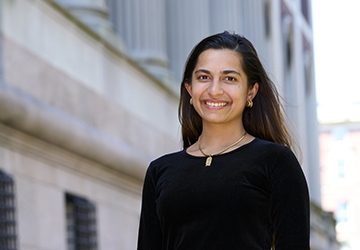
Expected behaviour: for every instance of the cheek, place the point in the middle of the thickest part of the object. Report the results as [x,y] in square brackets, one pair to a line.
[236,90]
[195,90]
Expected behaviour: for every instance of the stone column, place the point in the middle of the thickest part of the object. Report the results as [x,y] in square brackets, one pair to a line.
[1,46]
[253,16]
[142,26]
[187,24]
[226,15]
[94,14]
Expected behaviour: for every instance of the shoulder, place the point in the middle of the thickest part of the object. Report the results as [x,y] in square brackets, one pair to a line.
[275,156]
[161,165]
[264,144]
[167,158]
[163,162]
[270,149]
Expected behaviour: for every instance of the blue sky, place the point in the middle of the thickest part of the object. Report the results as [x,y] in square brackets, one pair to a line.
[336,26]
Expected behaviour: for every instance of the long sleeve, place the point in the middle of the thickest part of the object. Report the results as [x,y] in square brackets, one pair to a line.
[246,197]
[150,235]
[290,203]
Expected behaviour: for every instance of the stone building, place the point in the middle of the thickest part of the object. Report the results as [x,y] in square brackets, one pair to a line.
[340,175]
[88,97]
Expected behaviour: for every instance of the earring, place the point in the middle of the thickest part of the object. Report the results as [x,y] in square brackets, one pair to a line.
[249,104]
[191,101]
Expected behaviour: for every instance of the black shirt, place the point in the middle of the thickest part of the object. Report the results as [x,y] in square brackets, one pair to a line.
[244,199]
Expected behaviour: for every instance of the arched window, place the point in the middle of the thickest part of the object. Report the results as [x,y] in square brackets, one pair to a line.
[80,223]
[8,237]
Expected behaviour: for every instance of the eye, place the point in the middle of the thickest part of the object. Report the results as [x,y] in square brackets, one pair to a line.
[203,77]
[230,79]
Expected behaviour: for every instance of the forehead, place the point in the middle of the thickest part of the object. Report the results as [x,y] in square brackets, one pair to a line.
[219,59]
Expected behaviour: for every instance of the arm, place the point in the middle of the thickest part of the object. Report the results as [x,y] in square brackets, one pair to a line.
[150,235]
[290,203]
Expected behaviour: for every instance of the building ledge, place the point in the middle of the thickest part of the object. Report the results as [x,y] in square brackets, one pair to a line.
[29,115]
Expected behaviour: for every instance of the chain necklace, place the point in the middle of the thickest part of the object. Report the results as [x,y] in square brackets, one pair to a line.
[209,156]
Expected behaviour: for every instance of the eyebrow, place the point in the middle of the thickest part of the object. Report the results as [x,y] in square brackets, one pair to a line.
[228,71]
[202,70]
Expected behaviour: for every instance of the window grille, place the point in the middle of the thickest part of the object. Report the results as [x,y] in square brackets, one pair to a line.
[7,213]
[81,223]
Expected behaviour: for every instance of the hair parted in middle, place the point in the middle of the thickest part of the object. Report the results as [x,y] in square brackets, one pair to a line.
[264,120]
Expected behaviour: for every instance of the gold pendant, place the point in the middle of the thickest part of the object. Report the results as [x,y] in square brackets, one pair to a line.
[208,161]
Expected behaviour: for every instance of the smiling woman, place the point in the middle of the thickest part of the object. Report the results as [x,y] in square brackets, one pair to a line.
[236,184]
[219,90]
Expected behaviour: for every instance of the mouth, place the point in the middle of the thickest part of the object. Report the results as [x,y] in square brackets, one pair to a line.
[215,104]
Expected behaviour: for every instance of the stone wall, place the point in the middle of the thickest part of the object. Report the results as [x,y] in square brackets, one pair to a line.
[76,116]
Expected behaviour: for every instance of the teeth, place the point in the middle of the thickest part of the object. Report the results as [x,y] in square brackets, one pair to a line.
[217,104]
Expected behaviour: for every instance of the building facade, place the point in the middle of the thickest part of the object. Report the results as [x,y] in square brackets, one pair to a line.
[88,97]
[340,174]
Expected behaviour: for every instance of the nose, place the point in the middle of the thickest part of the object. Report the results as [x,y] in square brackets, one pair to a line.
[215,88]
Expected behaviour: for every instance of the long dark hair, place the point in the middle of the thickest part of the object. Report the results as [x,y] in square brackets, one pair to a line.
[264,120]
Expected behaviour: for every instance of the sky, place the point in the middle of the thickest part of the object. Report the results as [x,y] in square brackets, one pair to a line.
[336,25]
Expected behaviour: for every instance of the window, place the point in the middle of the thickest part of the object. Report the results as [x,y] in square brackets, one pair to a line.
[305,9]
[7,213]
[339,133]
[81,223]
[341,168]
[342,213]
[267,18]
[308,66]
[288,39]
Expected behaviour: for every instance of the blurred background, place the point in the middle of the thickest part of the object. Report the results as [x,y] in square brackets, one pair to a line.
[336,39]
[88,97]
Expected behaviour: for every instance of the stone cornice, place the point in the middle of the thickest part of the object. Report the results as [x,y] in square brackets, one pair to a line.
[27,114]
[115,47]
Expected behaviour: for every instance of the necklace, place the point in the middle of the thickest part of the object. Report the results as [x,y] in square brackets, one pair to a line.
[209,156]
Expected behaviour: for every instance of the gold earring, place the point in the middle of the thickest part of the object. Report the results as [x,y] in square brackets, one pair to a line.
[191,101]
[249,104]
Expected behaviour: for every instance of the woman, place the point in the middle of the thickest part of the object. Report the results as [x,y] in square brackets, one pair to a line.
[236,184]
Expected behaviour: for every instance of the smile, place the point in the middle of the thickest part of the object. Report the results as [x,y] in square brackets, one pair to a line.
[216,104]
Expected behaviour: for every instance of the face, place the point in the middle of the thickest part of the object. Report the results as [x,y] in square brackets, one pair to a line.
[219,87]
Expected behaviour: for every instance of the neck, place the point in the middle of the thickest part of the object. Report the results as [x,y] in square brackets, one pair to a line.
[215,137]
[218,134]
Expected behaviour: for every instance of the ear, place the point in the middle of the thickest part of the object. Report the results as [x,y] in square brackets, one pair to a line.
[188,88]
[253,91]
